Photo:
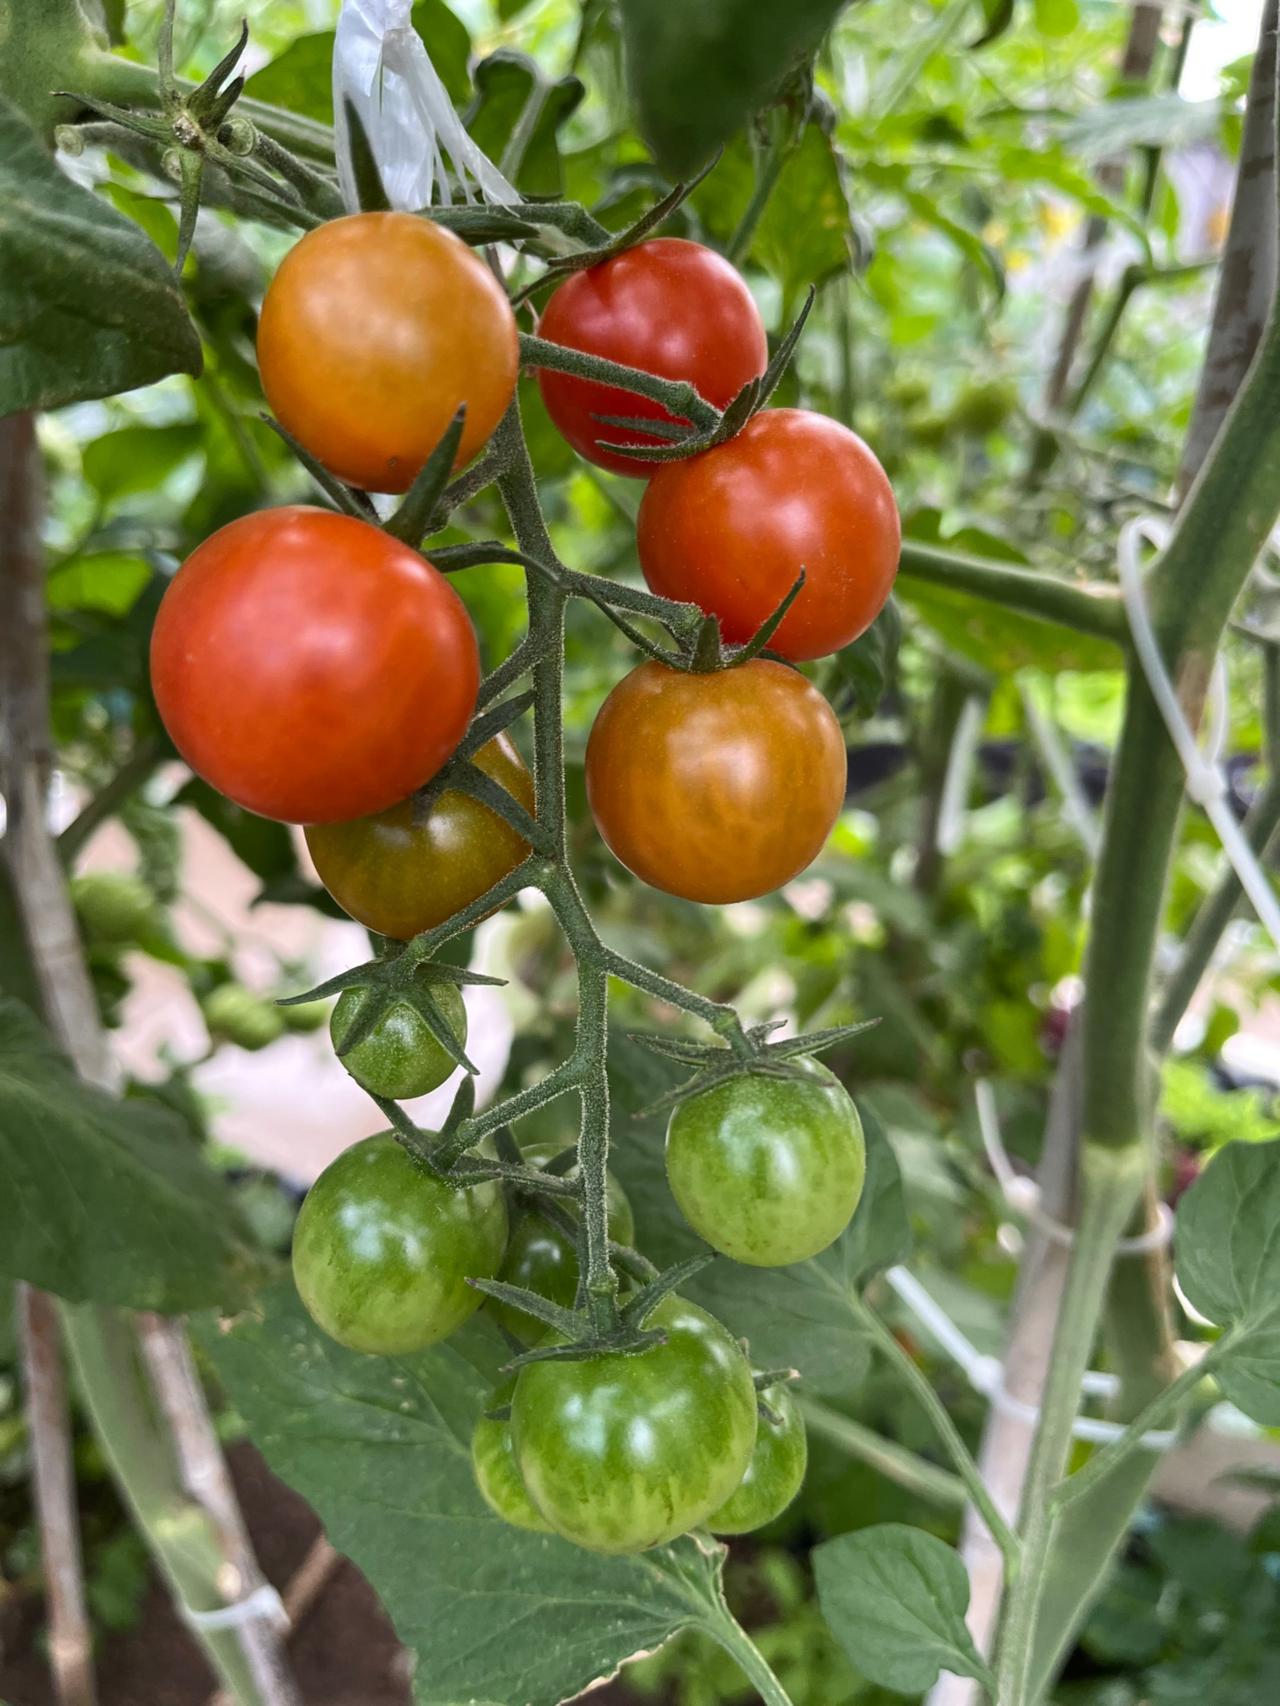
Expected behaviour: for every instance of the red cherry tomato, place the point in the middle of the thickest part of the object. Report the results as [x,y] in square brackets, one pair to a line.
[312,668]
[669,307]
[374,329]
[730,531]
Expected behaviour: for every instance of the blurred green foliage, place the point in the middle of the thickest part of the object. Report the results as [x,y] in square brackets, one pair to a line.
[937,191]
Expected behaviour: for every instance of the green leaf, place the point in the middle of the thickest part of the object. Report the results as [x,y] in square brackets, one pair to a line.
[695,74]
[859,674]
[87,305]
[1056,19]
[794,1317]
[108,581]
[449,44]
[801,252]
[380,1446]
[106,1200]
[1003,641]
[998,15]
[301,78]
[1142,121]
[138,458]
[895,1599]
[505,84]
[1227,1248]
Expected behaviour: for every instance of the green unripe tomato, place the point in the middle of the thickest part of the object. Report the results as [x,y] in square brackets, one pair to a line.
[768,1170]
[382,1249]
[497,1473]
[982,408]
[114,907]
[400,1058]
[237,1015]
[907,391]
[308,1016]
[621,1453]
[541,1259]
[775,1473]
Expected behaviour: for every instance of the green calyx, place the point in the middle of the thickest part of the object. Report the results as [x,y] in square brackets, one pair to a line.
[714,1064]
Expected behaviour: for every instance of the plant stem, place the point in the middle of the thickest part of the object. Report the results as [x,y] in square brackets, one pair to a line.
[108,77]
[547,600]
[947,1432]
[892,1460]
[677,396]
[120,787]
[53,1478]
[1091,607]
[784,135]
[207,1482]
[1216,912]
[1247,280]
[728,1633]
[1111,1182]
[178,1532]
[1165,1405]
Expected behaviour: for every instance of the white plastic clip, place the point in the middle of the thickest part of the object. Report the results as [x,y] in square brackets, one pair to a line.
[263,1602]
[1023,1194]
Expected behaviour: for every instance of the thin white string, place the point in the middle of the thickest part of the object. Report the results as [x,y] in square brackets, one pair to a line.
[264,1601]
[1206,783]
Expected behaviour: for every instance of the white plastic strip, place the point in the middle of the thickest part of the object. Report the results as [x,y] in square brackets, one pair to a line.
[420,144]
[1023,1194]
[262,1602]
[986,1376]
[1206,783]
[955,785]
[1057,761]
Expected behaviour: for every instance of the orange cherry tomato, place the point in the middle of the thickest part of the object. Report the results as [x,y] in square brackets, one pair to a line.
[312,668]
[730,531]
[398,873]
[375,328]
[716,787]
[668,307]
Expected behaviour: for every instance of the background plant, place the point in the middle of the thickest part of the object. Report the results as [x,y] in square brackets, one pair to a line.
[948,200]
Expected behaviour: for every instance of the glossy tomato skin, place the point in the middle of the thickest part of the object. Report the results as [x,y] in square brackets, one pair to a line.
[541,1258]
[374,329]
[312,668]
[493,1462]
[768,1170]
[621,1453]
[398,876]
[716,787]
[382,1250]
[668,306]
[775,1473]
[400,1058]
[730,530]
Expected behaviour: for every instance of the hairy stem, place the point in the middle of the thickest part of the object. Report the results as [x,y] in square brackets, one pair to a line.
[1112,1180]
[1091,607]
[921,1389]
[892,1460]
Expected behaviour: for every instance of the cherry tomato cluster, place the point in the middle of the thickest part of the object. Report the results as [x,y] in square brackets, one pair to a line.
[318,671]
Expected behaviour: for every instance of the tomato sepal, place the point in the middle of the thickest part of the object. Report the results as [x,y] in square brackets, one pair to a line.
[409,521]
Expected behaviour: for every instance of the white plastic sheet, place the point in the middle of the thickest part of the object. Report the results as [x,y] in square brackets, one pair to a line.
[382,68]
